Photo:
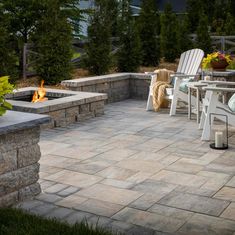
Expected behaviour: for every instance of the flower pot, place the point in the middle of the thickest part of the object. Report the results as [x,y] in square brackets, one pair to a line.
[219,65]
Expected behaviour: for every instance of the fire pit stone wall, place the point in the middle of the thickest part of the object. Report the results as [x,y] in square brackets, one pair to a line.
[64,107]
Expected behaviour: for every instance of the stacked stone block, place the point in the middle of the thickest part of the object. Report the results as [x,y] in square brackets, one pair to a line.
[19,167]
[118,86]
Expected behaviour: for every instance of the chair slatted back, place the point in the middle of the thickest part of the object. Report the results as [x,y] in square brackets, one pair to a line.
[190,61]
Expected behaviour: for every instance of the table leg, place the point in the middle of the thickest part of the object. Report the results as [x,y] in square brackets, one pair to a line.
[198,106]
[189,103]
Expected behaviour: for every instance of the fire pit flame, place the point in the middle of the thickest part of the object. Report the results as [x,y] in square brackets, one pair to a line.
[39,95]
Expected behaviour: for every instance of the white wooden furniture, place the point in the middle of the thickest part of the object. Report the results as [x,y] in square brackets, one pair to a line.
[188,67]
[212,104]
[197,86]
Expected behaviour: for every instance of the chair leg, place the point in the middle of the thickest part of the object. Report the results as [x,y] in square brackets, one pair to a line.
[175,97]
[211,109]
[149,103]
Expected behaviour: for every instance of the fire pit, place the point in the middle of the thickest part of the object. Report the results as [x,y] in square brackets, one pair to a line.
[63,106]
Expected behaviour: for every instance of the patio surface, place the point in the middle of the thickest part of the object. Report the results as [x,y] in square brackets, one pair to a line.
[137,172]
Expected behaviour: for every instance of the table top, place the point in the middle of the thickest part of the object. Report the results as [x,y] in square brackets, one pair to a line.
[196,84]
[227,73]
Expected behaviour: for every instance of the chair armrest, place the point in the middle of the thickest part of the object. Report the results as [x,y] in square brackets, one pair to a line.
[218,83]
[183,75]
[150,73]
[216,89]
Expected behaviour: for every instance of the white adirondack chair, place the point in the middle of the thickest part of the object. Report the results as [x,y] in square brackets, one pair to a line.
[212,104]
[188,67]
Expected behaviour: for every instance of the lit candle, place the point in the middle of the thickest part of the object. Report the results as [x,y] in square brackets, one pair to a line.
[218,139]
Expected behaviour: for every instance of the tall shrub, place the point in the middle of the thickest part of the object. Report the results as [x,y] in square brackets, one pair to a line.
[184,41]
[23,16]
[203,37]
[230,24]
[128,56]
[194,9]
[53,42]
[8,58]
[168,36]
[149,29]
[98,60]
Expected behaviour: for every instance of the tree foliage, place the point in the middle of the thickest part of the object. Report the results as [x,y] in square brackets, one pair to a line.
[8,57]
[203,36]
[169,34]
[149,30]
[53,40]
[98,48]
[128,56]
[184,41]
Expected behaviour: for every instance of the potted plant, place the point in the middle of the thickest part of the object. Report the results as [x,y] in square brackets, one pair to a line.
[217,61]
[5,88]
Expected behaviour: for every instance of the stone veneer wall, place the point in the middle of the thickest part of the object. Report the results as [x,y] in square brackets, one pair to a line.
[65,116]
[118,86]
[19,156]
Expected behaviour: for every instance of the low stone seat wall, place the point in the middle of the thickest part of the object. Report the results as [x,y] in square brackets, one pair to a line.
[118,87]
[19,156]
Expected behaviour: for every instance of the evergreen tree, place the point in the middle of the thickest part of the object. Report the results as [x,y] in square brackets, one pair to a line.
[128,56]
[98,48]
[169,34]
[203,36]
[184,41]
[194,9]
[149,29]
[8,57]
[230,24]
[53,42]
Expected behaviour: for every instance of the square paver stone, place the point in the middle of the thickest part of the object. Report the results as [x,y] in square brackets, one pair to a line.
[194,203]
[110,194]
[74,178]
[226,193]
[118,173]
[207,225]
[229,212]
[71,201]
[149,220]
[98,207]
[179,178]
[141,165]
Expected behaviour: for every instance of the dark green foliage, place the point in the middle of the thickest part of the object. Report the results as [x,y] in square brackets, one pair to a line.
[8,57]
[53,43]
[169,34]
[128,56]
[149,29]
[98,48]
[184,41]
[230,24]
[16,222]
[194,9]
[203,36]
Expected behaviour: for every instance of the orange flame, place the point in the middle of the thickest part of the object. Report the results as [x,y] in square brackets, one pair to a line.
[39,95]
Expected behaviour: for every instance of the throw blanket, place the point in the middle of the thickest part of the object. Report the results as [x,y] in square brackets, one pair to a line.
[159,88]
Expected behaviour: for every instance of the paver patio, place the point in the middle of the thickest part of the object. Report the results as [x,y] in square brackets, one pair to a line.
[137,172]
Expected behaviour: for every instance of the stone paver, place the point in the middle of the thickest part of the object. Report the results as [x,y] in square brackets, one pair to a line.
[138,172]
[110,194]
[226,193]
[194,203]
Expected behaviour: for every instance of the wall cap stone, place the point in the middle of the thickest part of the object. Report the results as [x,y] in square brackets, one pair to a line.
[14,121]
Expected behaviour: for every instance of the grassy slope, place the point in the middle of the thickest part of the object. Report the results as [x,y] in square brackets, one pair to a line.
[17,222]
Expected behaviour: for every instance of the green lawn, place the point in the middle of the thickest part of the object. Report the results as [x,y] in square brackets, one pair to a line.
[17,222]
